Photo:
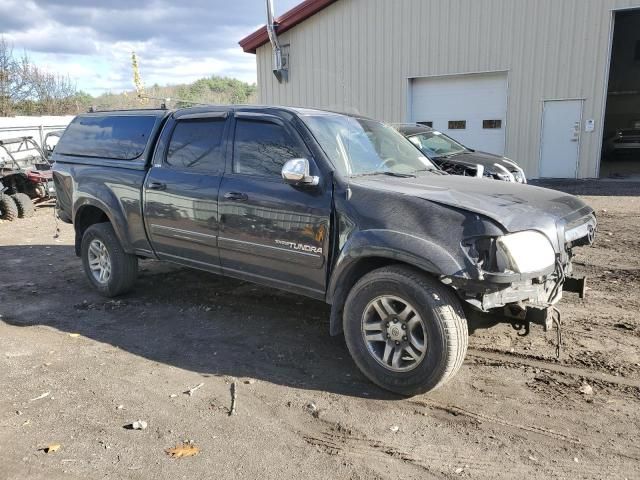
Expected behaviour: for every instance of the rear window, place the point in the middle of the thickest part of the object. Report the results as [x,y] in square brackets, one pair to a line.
[118,137]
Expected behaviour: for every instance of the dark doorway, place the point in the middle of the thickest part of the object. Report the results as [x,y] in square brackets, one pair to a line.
[621,149]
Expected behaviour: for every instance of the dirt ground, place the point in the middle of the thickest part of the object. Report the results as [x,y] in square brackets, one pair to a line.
[303,410]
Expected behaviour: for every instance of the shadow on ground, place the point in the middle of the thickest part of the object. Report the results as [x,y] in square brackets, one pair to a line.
[189,319]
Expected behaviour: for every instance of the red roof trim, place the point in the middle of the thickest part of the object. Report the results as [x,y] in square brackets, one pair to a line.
[286,21]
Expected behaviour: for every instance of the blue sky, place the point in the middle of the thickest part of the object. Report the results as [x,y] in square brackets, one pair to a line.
[176,42]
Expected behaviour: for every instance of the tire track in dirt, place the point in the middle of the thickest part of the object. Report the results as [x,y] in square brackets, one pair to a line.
[595,470]
[456,410]
[515,359]
[439,462]
[335,439]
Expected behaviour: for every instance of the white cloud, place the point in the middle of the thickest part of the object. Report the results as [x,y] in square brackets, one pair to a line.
[91,41]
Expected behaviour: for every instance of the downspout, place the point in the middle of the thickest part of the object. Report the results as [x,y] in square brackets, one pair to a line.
[279,68]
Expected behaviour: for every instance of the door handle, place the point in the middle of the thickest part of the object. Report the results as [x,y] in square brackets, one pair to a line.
[236,196]
[157,186]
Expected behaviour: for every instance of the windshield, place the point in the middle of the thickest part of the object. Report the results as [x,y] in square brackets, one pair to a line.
[365,147]
[435,144]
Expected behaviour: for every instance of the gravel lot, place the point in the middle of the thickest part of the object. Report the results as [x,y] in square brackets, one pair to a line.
[303,410]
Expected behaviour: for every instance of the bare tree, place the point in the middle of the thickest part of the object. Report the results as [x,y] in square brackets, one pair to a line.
[27,89]
[15,86]
[52,94]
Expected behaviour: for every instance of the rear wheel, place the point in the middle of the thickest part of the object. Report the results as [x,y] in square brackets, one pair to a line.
[8,208]
[108,267]
[24,204]
[405,331]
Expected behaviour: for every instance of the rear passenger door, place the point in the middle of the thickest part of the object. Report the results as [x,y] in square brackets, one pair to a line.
[181,190]
[272,232]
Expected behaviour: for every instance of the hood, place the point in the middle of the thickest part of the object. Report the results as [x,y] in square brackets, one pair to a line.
[514,206]
[487,160]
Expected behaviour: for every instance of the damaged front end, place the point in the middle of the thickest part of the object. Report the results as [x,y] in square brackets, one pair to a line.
[518,278]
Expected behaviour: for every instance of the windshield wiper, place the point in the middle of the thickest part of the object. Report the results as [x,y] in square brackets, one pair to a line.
[448,155]
[429,170]
[390,174]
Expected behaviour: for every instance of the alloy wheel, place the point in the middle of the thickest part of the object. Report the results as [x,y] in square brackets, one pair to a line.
[395,333]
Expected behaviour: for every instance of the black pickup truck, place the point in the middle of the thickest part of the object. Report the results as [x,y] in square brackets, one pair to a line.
[336,207]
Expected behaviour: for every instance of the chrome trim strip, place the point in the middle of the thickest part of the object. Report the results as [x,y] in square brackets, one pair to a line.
[188,235]
[189,261]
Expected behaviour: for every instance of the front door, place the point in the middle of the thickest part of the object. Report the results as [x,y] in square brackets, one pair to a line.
[181,194]
[561,127]
[272,232]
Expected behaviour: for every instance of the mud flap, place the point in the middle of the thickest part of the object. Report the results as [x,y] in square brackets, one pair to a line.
[547,318]
[575,285]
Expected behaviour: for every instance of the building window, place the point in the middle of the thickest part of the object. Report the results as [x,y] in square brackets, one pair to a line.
[426,124]
[457,124]
[489,124]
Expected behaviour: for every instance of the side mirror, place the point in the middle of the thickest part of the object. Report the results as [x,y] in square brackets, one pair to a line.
[296,172]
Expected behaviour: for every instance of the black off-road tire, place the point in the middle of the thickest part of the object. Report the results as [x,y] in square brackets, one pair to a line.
[26,209]
[124,266]
[446,328]
[8,208]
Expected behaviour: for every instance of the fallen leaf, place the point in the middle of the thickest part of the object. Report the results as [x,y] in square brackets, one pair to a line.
[184,450]
[52,448]
[74,335]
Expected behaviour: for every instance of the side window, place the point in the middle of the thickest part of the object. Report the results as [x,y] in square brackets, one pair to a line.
[197,145]
[262,148]
[116,137]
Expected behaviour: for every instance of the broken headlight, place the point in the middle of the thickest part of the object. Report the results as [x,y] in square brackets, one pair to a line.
[521,252]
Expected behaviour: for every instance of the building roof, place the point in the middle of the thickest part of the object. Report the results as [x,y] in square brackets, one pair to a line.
[284,22]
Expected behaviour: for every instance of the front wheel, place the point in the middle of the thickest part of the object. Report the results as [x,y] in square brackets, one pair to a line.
[405,331]
[108,267]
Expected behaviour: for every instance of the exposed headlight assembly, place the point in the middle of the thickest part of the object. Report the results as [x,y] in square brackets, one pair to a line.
[516,171]
[521,252]
[526,252]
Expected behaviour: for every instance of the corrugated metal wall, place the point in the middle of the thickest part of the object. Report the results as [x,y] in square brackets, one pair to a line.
[357,55]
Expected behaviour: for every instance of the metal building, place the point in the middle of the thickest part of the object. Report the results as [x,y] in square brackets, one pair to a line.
[528,79]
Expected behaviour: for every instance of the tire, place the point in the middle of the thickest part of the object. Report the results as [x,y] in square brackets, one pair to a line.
[8,208]
[433,343]
[25,206]
[100,244]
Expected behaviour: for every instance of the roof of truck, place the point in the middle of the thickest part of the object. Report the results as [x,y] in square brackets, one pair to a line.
[204,109]
[128,111]
[248,108]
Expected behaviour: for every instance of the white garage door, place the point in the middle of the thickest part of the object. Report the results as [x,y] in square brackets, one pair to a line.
[468,108]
